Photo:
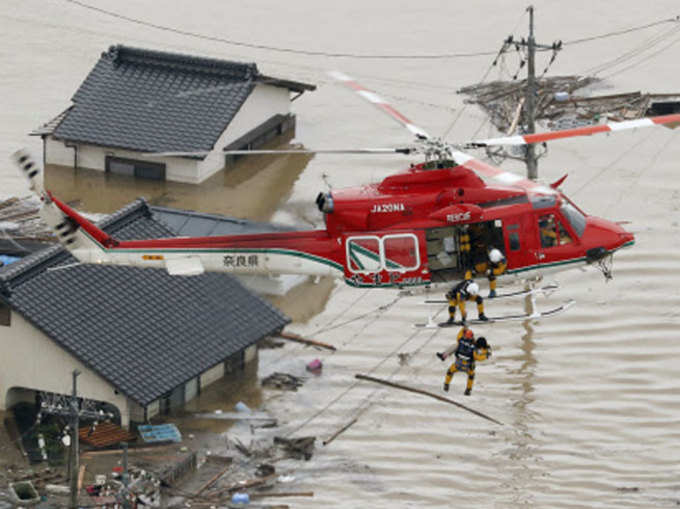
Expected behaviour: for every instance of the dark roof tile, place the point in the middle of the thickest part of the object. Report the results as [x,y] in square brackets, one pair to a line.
[143,330]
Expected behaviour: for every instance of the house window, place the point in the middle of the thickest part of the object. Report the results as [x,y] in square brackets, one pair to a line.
[5,314]
[134,168]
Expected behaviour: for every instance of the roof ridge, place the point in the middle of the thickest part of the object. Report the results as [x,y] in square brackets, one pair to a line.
[240,71]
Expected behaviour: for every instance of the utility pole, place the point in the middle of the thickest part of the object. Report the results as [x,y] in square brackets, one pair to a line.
[530,101]
[530,94]
[75,453]
[71,408]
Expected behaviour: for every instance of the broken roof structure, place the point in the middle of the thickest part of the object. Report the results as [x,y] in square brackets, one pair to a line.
[142,330]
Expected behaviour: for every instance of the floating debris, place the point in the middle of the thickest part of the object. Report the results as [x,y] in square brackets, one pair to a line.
[283,381]
[297,448]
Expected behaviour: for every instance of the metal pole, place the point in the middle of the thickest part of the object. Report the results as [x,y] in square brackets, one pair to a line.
[126,476]
[532,165]
[75,415]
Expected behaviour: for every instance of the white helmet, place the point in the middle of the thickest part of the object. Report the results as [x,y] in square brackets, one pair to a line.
[495,256]
[472,288]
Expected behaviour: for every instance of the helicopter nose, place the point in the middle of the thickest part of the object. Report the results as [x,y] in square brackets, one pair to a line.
[605,234]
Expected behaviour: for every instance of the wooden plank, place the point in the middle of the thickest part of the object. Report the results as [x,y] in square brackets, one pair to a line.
[281,494]
[426,393]
[305,341]
[341,430]
[81,476]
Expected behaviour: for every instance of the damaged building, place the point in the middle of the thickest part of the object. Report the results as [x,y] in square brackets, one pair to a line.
[145,342]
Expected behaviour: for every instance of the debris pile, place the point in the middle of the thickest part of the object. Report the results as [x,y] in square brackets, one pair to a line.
[20,221]
[283,381]
[556,104]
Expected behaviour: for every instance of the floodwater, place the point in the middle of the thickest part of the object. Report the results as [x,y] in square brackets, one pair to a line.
[589,399]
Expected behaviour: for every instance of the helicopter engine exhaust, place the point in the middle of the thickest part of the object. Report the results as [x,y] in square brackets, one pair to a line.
[325,203]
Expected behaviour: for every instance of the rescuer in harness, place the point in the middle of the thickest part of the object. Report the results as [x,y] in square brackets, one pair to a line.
[462,292]
[467,353]
[493,266]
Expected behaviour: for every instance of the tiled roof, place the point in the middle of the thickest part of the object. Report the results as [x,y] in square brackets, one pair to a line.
[186,223]
[155,101]
[144,331]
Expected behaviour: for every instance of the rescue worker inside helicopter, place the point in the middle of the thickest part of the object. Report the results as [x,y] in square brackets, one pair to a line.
[467,352]
[466,290]
[546,225]
[552,232]
[492,266]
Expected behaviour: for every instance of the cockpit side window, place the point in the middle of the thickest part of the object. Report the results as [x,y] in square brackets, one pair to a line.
[547,228]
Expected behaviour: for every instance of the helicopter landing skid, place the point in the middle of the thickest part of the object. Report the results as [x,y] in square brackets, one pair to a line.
[431,324]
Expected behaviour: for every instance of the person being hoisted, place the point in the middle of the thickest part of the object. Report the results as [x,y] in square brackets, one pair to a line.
[462,292]
[467,353]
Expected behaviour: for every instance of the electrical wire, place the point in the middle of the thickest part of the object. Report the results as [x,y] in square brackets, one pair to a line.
[357,382]
[621,32]
[646,58]
[234,42]
[442,56]
[632,53]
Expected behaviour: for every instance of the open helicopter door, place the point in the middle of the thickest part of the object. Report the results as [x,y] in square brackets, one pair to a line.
[392,259]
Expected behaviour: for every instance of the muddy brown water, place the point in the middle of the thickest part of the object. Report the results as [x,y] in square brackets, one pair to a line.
[589,400]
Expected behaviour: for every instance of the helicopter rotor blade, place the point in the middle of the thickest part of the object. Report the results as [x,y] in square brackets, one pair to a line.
[379,102]
[501,176]
[400,150]
[579,131]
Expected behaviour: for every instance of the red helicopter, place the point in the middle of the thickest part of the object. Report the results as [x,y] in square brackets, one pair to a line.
[404,231]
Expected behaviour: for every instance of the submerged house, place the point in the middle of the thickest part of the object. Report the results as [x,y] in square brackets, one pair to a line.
[137,101]
[145,342]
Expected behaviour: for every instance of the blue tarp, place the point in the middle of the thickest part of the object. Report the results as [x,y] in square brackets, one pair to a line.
[160,433]
[6,260]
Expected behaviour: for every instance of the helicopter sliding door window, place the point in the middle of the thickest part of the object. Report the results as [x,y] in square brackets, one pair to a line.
[400,252]
[369,254]
[513,237]
[363,254]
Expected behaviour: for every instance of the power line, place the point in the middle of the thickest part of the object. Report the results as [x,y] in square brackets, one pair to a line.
[622,32]
[442,56]
[274,48]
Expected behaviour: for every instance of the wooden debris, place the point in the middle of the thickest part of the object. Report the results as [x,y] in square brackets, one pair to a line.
[244,485]
[212,480]
[426,393]
[280,494]
[297,448]
[305,341]
[340,431]
[283,381]
[81,476]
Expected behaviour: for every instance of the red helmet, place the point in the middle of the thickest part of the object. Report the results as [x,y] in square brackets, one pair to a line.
[468,334]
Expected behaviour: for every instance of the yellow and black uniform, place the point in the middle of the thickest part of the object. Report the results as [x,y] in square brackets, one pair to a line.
[464,247]
[464,291]
[494,265]
[467,353]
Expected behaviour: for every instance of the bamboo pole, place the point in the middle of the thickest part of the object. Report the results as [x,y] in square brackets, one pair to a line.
[280,494]
[426,393]
[305,341]
[341,430]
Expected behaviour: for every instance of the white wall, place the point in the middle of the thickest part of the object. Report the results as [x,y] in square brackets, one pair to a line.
[92,157]
[263,103]
[32,360]
[212,375]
